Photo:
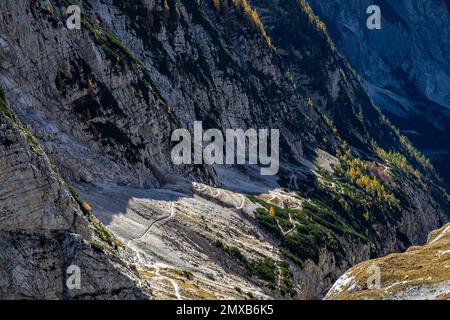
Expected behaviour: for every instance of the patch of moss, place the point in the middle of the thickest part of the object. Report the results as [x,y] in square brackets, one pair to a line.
[97,246]
[78,200]
[8,113]
[187,274]
[32,142]
[5,109]
[250,295]
[235,253]
[218,243]
[114,49]
[102,232]
[265,269]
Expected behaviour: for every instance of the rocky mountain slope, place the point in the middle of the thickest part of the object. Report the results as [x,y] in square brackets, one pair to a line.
[405,65]
[419,273]
[103,101]
[43,231]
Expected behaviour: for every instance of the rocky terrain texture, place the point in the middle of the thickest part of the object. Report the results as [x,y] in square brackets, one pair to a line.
[43,231]
[417,274]
[103,101]
[405,65]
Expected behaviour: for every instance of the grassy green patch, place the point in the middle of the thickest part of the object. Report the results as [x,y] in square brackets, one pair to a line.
[8,113]
[5,109]
[110,44]
[316,227]
[78,200]
[263,269]
[187,274]
[97,246]
[268,270]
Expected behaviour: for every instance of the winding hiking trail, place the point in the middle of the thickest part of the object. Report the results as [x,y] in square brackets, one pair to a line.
[156,266]
[279,196]
[150,227]
[274,195]
[201,188]
[175,286]
[170,216]
[241,206]
[280,203]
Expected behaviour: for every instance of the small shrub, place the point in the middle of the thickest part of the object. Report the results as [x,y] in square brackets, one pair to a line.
[187,274]
[97,246]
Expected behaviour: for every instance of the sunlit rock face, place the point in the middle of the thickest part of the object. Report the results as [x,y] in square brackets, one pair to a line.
[43,231]
[405,64]
[102,103]
[420,273]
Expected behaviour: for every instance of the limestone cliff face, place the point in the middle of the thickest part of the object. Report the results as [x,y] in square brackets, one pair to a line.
[43,232]
[405,64]
[103,101]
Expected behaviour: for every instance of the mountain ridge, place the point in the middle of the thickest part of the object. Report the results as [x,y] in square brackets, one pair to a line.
[404,65]
[103,102]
